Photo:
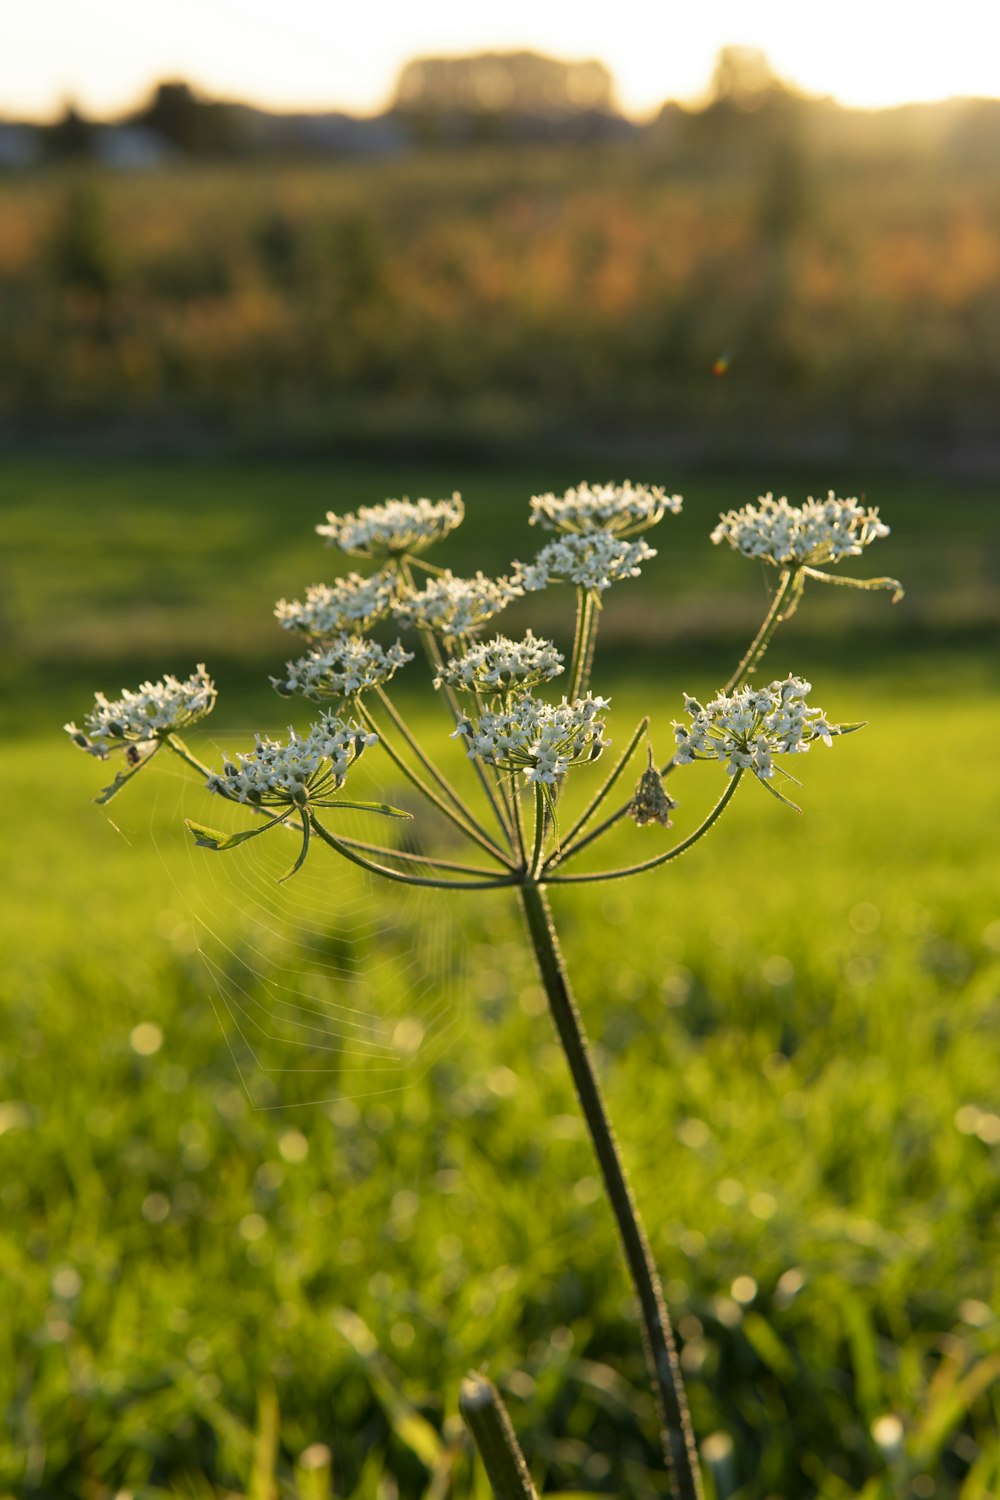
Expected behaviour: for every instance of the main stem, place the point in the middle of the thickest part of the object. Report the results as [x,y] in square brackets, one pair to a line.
[661,1352]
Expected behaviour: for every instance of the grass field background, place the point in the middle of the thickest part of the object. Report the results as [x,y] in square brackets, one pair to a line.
[797,1025]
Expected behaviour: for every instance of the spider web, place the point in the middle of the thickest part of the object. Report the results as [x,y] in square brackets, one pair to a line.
[333,984]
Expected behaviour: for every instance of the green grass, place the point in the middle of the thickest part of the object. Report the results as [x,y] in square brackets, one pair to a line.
[796,1025]
[118,568]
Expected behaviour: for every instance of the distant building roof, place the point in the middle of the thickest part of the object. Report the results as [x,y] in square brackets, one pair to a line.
[131,148]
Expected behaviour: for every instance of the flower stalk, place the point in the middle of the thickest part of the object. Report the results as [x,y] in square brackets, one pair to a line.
[783,604]
[487,1419]
[516,739]
[661,1351]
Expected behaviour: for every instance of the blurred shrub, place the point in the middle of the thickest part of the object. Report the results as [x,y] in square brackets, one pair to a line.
[845,282]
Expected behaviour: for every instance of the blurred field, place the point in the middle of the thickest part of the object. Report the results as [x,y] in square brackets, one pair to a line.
[843,269]
[797,1026]
[116,569]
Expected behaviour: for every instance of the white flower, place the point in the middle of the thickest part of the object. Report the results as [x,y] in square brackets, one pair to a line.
[818,532]
[351,603]
[541,740]
[747,728]
[620,508]
[594,561]
[393,528]
[454,606]
[346,666]
[144,717]
[500,665]
[308,768]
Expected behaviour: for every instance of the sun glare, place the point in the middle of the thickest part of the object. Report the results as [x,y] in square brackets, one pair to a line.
[310,54]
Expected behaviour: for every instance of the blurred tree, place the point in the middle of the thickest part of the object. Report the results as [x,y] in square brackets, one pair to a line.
[743,79]
[195,126]
[72,135]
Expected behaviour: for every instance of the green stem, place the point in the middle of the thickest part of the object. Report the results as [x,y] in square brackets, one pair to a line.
[386,852]
[540,812]
[858,583]
[789,587]
[470,831]
[568,848]
[487,1419]
[425,567]
[176,744]
[428,765]
[581,604]
[786,594]
[417,880]
[590,644]
[519,838]
[435,659]
[661,1353]
[659,859]
[582,644]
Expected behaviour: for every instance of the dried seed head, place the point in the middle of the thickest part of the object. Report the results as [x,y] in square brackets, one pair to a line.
[651,803]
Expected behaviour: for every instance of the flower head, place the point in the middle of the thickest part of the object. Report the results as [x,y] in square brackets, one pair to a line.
[139,720]
[818,532]
[308,768]
[541,740]
[348,665]
[454,606]
[594,560]
[305,768]
[501,665]
[394,528]
[351,603]
[747,728]
[619,508]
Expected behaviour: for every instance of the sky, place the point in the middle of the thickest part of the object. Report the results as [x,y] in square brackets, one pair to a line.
[339,54]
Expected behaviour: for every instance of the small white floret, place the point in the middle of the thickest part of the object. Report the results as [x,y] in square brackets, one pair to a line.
[502,665]
[593,561]
[809,535]
[619,508]
[347,666]
[393,529]
[349,604]
[145,717]
[539,740]
[454,606]
[307,767]
[746,729]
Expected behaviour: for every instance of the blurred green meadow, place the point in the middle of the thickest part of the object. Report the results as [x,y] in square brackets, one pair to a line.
[235,1264]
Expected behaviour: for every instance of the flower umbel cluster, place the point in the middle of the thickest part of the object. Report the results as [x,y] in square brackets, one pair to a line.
[747,728]
[393,529]
[308,768]
[454,606]
[502,665]
[818,532]
[351,603]
[540,739]
[349,665]
[620,508]
[593,560]
[146,716]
